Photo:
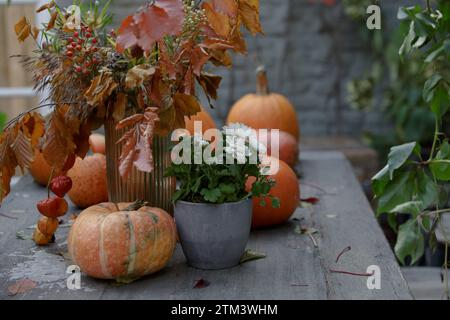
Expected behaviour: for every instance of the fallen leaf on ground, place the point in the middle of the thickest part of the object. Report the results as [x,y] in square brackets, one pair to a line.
[311,200]
[250,255]
[21,235]
[200,284]
[305,230]
[21,286]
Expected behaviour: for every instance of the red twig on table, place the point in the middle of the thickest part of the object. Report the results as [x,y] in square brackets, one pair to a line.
[342,252]
[312,185]
[352,273]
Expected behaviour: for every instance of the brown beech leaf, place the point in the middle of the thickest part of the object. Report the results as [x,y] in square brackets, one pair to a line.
[21,286]
[198,59]
[220,58]
[101,88]
[137,142]
[46,6]
[151,24]
[35,33]
[139,74]
[33,126]
[219,22]
[8,161]
[210,84]
[57,142]
[228,7]
[185,106]
[249,14]
[23,150]
[119,106]
[22,29]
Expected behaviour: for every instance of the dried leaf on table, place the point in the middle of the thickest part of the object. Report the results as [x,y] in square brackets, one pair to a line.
[305,230]
[21,235]
[22,29]
[311,200]
[201,283]
[21,286]
[250,255]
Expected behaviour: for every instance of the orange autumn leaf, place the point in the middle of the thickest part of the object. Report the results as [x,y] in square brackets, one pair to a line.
[219,22]
[51,23]
[228,7]
[249,14]
[151,24]
[137,142]
[137,75]
[22,29]
[46,6]
[100,89]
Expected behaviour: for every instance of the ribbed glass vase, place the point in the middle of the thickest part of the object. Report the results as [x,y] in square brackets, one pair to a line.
[152,187]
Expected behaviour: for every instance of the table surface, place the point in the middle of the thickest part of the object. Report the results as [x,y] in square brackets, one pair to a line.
[294,267]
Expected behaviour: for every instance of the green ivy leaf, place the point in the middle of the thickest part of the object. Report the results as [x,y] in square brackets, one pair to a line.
[398,156]
[410,242]
[440,102]
[396,192]
[430,85]
[380,181]
[427,190]
[410,207]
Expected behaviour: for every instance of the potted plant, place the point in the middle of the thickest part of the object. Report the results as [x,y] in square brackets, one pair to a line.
[213,207]
[140,82]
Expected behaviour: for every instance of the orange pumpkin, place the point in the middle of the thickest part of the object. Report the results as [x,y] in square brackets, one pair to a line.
[116,241]
[40,170]
[288,149]
[89,185]
[204,117]
[287,190]
[265,110]
[97,143]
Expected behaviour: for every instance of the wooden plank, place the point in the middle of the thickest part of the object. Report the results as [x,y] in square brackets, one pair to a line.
[293,269]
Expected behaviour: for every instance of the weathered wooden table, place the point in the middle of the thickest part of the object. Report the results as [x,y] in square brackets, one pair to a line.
[295,268]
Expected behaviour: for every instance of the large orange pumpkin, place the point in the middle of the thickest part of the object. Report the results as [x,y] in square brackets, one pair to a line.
[89,183]
[265,110]
[288,148]
[116,241]
[287,190]
[204,117]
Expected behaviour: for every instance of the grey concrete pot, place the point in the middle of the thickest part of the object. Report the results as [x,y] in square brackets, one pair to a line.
[213,236]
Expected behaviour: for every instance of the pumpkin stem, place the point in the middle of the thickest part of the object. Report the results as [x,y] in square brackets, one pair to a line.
[136,205]
[262,84]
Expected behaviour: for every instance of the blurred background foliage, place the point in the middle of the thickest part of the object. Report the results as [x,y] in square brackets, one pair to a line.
[393,85]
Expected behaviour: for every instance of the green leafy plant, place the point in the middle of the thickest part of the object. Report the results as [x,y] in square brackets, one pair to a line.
[411,185]
[218,181]
[390,85]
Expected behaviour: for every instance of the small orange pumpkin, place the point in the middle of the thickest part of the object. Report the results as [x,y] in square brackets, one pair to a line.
[97,143]
[89,183]
[40,170]
[204,117]
[122,241]
[265,110]
[286,189]
[287,145]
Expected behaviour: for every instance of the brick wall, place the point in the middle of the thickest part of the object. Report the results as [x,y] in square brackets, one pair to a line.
[310,51]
